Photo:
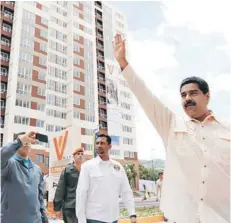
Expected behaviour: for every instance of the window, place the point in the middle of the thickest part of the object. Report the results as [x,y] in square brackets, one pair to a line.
[60,102]
[44,21]
[87,147]
[57,59]
[90,118]
[76,115]
[76,100]
[1,122]
[28,15]
[3,87]
[24,73]
[22,103]
[90,107]
[47,161]
[125,94]
[114,152]
[76,86]
[58,47]
[126,117]
[43,61]
[58,73]
[39,123]
[76,37]
[28,29]
[23,88]
[56,114]
[6,27]
[129,154]
[5,41]
[39,158]
[50,128]
[41,76]
[26,57]
[41,91]
[41,107]
[5,56]
[77,61]
[124,83]
[128,141]
[3,103]
[125,105]
[43,33]
[76,47]
[43,47]
[89,132]
[28,43]
[76,73]
[4,71]
[126,128]
[21,120]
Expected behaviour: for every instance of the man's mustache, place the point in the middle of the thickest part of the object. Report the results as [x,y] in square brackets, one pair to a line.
[190,103]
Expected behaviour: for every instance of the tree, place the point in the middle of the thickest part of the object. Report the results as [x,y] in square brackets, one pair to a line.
[144,174]
[131,173]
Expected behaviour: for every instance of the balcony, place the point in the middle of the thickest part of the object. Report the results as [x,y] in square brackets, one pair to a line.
[100,46]
[98,4]
[99,36]
[8,4]
[102,117]
[101,68]
[101,90]
[5,45]
[6,30]
[101,102]
[98,16]
[98,25]
[4,76]
[5,61]
[103,127]
[8,16]
[100,56]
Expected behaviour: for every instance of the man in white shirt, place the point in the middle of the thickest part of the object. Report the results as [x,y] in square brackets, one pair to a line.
[197,149]
[101,182]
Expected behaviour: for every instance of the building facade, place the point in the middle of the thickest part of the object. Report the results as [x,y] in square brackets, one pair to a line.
[58,70]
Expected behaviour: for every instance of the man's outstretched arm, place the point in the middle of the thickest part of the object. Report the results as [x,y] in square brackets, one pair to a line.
[160,116]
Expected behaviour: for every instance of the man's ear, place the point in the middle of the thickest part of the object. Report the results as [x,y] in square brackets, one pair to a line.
[207,96]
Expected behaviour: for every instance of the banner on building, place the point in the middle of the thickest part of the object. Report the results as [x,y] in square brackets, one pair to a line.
[112,92]
[62,145]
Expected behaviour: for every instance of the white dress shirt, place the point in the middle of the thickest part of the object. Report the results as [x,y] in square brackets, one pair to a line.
[196,185]
[99,187]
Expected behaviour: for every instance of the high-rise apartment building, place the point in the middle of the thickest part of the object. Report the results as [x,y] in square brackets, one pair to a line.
[58,70]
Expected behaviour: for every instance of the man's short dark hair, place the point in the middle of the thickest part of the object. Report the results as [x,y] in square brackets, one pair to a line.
[161,173]
[202,84]
[16,135]
[106,136]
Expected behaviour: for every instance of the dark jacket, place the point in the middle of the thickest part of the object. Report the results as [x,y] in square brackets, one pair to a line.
[65,193]
[21,188]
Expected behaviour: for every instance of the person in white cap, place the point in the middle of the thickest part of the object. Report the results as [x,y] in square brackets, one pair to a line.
[65,195]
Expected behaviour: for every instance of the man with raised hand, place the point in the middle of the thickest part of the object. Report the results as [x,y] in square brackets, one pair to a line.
[197,146]
[22,183]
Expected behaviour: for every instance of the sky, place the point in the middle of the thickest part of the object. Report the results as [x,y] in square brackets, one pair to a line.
[171,40]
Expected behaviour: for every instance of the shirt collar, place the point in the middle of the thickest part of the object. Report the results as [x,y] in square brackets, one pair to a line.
[23,161]
[210,117]
[99,160]
[18,157]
